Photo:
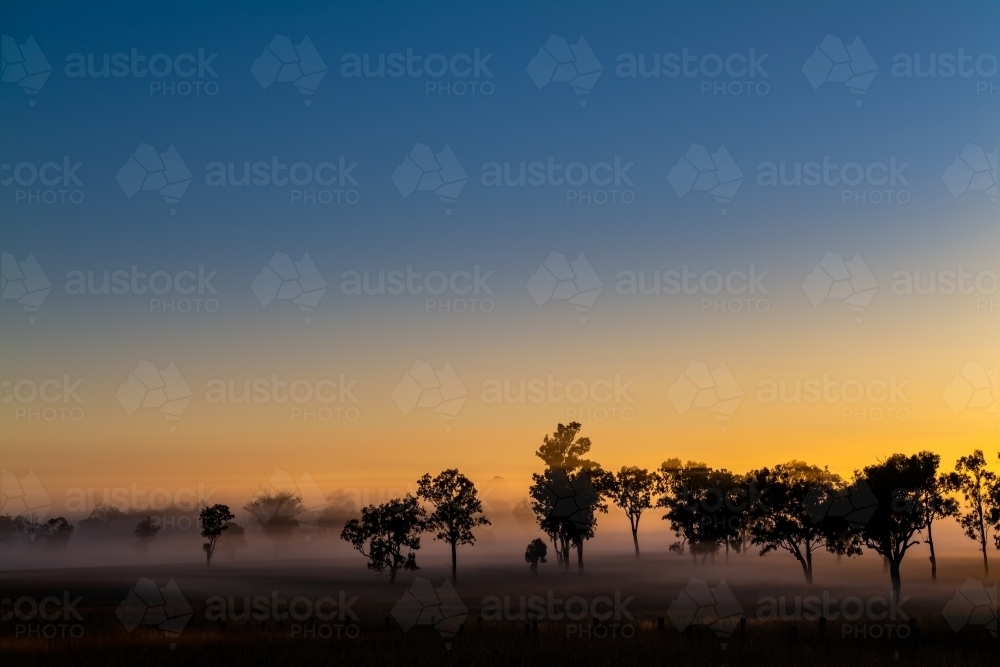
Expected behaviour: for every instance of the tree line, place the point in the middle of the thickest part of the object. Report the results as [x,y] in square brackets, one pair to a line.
[798,508]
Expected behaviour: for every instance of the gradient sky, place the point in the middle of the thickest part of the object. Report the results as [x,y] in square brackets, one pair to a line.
[923,341]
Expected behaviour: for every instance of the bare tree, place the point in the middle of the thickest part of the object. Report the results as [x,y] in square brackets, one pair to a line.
[29,527]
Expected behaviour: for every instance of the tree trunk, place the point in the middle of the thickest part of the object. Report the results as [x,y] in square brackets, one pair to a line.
[897,583]
[534,569]
[208,558]
[392,574]
[809,566]
[930,543]
[635,541]
[579,555]
[986,562]
[454,564]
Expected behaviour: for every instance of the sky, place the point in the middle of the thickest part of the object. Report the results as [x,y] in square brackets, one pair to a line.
[667,281]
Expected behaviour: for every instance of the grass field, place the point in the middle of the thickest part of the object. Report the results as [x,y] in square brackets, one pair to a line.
[93,633]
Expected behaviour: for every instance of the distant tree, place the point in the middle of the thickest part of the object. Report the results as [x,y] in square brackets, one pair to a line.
[384,530]
[29,527]
[897,484]
[340,509]
[457,510]
[535,554]
[214,522]
[107,520]
[975,483]
[522,511]
[787,521]
[933,502]
[583,479]
[275,511]
[632,490]
[234,537]
[146,531]
[56,533]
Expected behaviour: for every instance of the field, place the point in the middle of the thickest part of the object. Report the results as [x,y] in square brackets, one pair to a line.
[368,632]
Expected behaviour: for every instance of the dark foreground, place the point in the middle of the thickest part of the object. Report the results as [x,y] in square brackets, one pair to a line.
[37,628]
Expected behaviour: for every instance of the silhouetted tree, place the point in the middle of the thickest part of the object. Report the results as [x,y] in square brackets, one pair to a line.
[632,490]
[933,502]
[535,554]
[568,520]
[789,519]
[705,507]
[214,522]
[457,510]
[146,531]
[29,527]
[896,483]
[975,483]
[275,511]
[384,530]
[56,533]
[995,510]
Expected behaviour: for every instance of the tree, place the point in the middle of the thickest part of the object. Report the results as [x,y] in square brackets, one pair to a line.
[55,533]
[234,537]
[214,522]
[705,507]
[568,481]
[933,502]
[896,484]
[339,510]
[275,511]
[146,531]
[384,530]
[995,510]
[535,554]
[29,527]
[457,510]
[789,520]
[632,490]
[974,482]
